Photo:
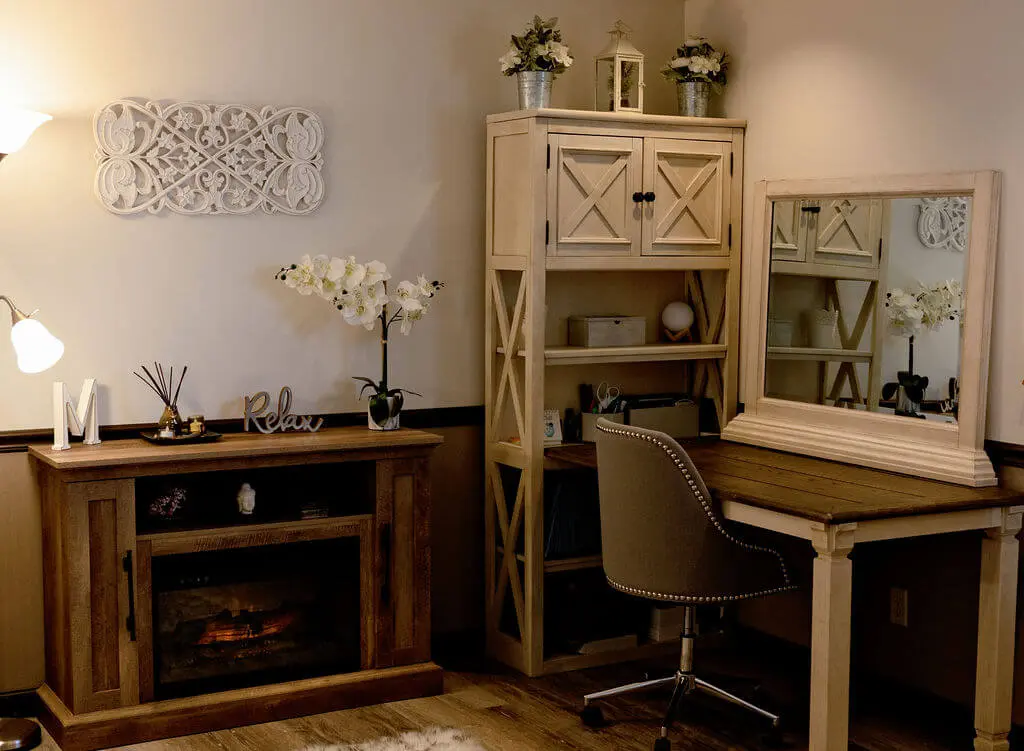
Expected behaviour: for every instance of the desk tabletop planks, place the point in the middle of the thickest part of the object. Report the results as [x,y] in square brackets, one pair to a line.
[814,489]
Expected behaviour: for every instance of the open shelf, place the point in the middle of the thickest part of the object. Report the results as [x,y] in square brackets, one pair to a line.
[250,535]
[641,353]
[818,354]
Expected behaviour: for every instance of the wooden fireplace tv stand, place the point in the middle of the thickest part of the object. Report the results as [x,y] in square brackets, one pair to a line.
[169,611]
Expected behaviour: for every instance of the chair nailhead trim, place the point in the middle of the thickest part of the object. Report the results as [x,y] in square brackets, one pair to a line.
[697,599]
[709,512]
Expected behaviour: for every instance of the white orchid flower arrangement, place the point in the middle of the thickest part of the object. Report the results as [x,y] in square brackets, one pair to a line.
[926,308]
[360,293]
[697,60]
[539,49]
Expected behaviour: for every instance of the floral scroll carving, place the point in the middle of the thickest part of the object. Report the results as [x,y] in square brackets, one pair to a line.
[942,223]
[193,158]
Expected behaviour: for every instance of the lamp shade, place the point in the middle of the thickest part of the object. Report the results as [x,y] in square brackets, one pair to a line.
[16,125]
[37,348]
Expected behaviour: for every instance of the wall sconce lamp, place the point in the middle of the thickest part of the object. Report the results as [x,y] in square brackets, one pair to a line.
[37,350]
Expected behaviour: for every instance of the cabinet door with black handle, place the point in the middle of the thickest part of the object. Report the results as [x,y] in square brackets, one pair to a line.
[595,199]
[100,590]
[687,197]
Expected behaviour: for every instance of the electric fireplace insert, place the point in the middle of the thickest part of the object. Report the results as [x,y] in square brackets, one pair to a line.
[251,616]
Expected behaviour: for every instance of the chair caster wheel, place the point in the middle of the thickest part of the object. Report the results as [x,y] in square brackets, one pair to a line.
[663,744]
[593,717]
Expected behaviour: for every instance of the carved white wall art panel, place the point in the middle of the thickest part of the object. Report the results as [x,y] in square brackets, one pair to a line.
[208,158]
[942,223]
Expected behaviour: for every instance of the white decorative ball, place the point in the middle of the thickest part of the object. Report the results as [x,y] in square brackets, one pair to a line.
[677,317]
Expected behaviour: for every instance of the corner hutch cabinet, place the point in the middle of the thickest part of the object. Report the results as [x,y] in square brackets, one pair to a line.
[593,214]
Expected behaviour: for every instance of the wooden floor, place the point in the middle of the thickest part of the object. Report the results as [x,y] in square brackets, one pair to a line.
[507,712]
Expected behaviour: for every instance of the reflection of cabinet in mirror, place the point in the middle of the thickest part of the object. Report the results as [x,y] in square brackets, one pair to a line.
[827,256]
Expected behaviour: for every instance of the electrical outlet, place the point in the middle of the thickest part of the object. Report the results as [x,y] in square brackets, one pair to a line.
[898,606]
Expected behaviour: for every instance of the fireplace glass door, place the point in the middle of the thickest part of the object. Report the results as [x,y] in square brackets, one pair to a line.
[251,616]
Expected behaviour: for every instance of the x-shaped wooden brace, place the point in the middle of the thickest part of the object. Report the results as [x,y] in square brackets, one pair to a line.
[707,373]
[687,194]
[843,212]
[594,195]
[849,340]
[509,333]
[508,574]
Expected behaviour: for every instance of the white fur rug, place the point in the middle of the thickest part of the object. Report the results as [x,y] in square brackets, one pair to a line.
[434,739]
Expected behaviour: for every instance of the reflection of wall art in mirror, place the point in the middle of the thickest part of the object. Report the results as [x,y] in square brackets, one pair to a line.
[943,223]
[901,347]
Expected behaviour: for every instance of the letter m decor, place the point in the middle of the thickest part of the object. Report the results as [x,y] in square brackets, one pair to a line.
[195,158]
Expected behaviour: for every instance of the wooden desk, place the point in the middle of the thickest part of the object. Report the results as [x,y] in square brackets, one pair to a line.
[836,506]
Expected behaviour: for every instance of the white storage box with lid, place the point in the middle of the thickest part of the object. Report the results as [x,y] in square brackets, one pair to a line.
[607,331]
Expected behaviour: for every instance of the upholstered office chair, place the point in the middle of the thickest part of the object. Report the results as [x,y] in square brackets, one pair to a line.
[664,539]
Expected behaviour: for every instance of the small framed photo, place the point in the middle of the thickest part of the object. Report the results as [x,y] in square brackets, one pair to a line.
[552,427]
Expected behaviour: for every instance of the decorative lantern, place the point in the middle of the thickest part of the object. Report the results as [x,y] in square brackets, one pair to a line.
[620,74]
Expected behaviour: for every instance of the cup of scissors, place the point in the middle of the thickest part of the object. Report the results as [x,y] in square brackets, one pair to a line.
[606,399]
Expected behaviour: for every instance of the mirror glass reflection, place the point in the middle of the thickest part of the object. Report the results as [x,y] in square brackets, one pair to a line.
[865,303]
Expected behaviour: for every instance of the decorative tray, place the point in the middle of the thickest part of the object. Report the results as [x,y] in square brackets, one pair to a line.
[207,437]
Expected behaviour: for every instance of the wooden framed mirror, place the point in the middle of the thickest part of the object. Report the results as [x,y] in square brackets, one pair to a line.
[866,322]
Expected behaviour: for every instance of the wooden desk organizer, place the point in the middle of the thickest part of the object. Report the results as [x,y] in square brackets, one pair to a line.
[103,685]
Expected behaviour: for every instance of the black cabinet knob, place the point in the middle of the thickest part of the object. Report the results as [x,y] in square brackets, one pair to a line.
[649,197]
[638,197]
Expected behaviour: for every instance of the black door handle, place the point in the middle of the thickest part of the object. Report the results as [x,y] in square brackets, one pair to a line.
[130,620]
[638,197]
[649,197]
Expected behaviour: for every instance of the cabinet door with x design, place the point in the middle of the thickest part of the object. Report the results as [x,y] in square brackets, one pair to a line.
[593,186]
[845,231]
[621,196]
[686,197]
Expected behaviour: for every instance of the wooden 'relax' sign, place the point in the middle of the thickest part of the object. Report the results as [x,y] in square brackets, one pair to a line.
[258,414]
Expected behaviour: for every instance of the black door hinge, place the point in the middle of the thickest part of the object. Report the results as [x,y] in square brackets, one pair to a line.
[549,156]
[879,250]
[730,235]
[732,161]
[547,232]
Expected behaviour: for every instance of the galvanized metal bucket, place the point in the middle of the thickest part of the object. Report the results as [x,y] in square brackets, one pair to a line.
[534,89]
[693,98]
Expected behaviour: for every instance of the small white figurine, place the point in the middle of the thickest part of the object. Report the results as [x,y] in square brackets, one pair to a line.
[246,499]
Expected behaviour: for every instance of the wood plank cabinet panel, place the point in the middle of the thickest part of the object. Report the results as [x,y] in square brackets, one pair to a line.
[403,559]
[101,536]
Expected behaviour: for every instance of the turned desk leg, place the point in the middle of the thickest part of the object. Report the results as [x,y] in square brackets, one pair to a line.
[996,616]
[830,639]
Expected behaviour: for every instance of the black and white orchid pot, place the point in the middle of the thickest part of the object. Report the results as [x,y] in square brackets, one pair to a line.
[384,412]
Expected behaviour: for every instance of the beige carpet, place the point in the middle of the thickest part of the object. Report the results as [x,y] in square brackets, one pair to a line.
[434,739]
